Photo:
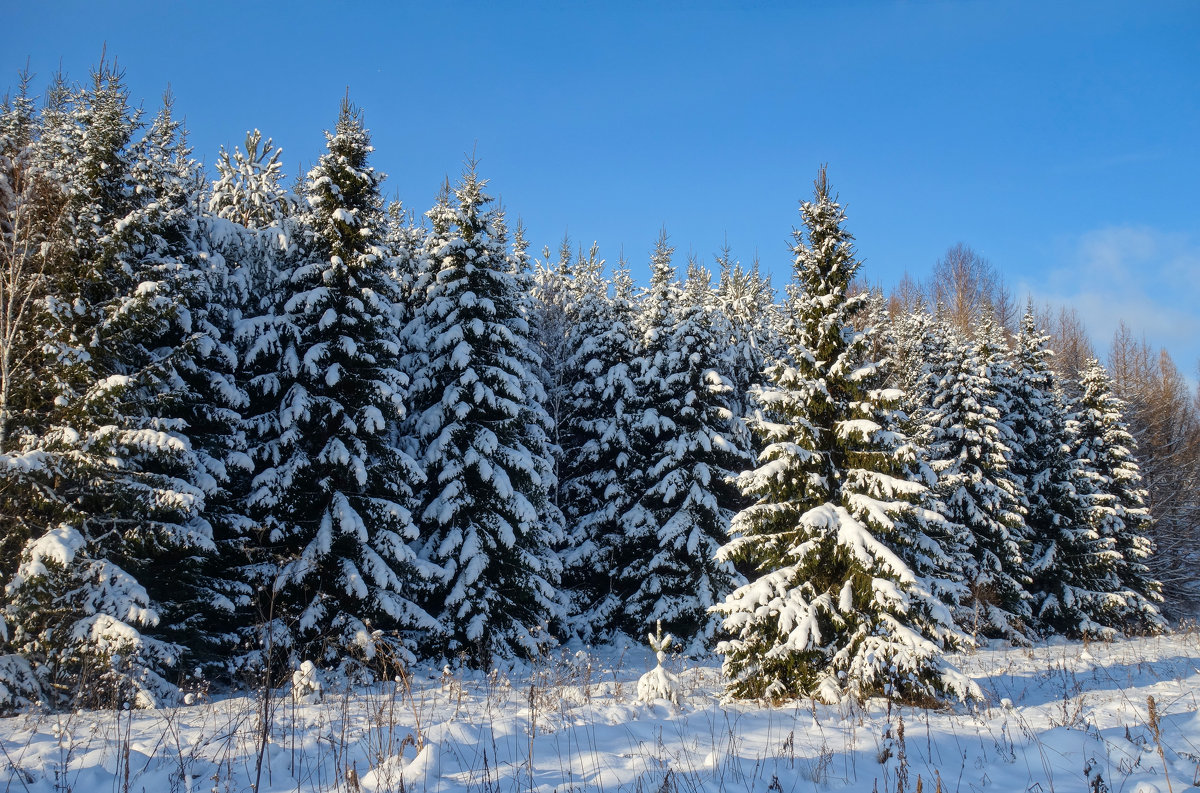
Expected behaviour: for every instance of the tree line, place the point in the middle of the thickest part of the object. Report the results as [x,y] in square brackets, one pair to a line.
[244,425]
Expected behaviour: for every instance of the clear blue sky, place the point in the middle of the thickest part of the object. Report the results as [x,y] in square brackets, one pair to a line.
[1059,139]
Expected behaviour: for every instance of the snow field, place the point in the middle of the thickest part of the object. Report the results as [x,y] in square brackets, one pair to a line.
[1059,717]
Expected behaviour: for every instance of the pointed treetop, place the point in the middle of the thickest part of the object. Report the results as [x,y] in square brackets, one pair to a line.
[698,276]
[661,271]
[520,249]
[589,263]
[471,197]
[821,183]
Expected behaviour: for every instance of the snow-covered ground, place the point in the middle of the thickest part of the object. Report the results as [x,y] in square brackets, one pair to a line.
[1058,718]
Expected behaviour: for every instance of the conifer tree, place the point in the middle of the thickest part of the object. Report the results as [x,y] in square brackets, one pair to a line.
[248,193]
[599,466]
[672,573]
[247,190]
[200,392]
[970,451]
[485,497]
[541,428]
[30,238]
[1116,500]
[332,487]
[411,269]
[918,355]
[1070,564]
[834,607]
[125,489]
[549,308]
[253,224]
[744,307]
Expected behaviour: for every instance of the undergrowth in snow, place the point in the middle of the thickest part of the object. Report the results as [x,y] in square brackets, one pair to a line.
[1056,718]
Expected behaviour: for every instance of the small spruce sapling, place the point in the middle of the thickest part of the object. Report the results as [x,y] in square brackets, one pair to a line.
[658,683]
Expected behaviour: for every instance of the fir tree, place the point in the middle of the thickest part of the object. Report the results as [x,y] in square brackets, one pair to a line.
[31,201]
[124,493]
[918,356]
[835,607]
[745,307]
[199,390]
[254,225]
[549,308]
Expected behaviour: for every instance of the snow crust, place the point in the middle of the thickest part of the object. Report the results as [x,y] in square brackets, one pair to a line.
[1054,716]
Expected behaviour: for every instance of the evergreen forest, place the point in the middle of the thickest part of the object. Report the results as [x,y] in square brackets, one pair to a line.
[248,424]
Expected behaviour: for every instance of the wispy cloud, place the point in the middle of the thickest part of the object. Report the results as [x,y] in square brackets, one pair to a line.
[1145,276]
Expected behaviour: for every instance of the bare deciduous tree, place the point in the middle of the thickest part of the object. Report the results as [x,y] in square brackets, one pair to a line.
[906,298]
[1070,341]
[966,285]
[29,207]
[1164,418]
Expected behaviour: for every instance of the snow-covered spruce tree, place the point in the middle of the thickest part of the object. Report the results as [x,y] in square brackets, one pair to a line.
[969,447]
[254,225]
[653,321]
[1105,452]
[484,500]
[124,489]
[548,307]
[199,392]
[745,306]
[332,487]
[30,201]
[670,571]
[835,606]
[541,429]
[1070,564]
[917,355]
[744,298]
[411,270]
[935,548]
[598,464]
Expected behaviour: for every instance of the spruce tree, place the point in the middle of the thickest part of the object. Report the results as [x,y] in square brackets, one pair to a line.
[485,497]
[672,573]
[744,308]
[125,489]
[30,200]
[200,394]
[30,238]
[254,226]
[1070,564]
[1116,501]
[549,307]
[332,487]
[598,463]
[834,606]
[970,451]
[917,355]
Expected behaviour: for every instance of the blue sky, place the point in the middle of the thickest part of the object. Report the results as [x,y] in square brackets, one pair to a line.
[1059,139]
